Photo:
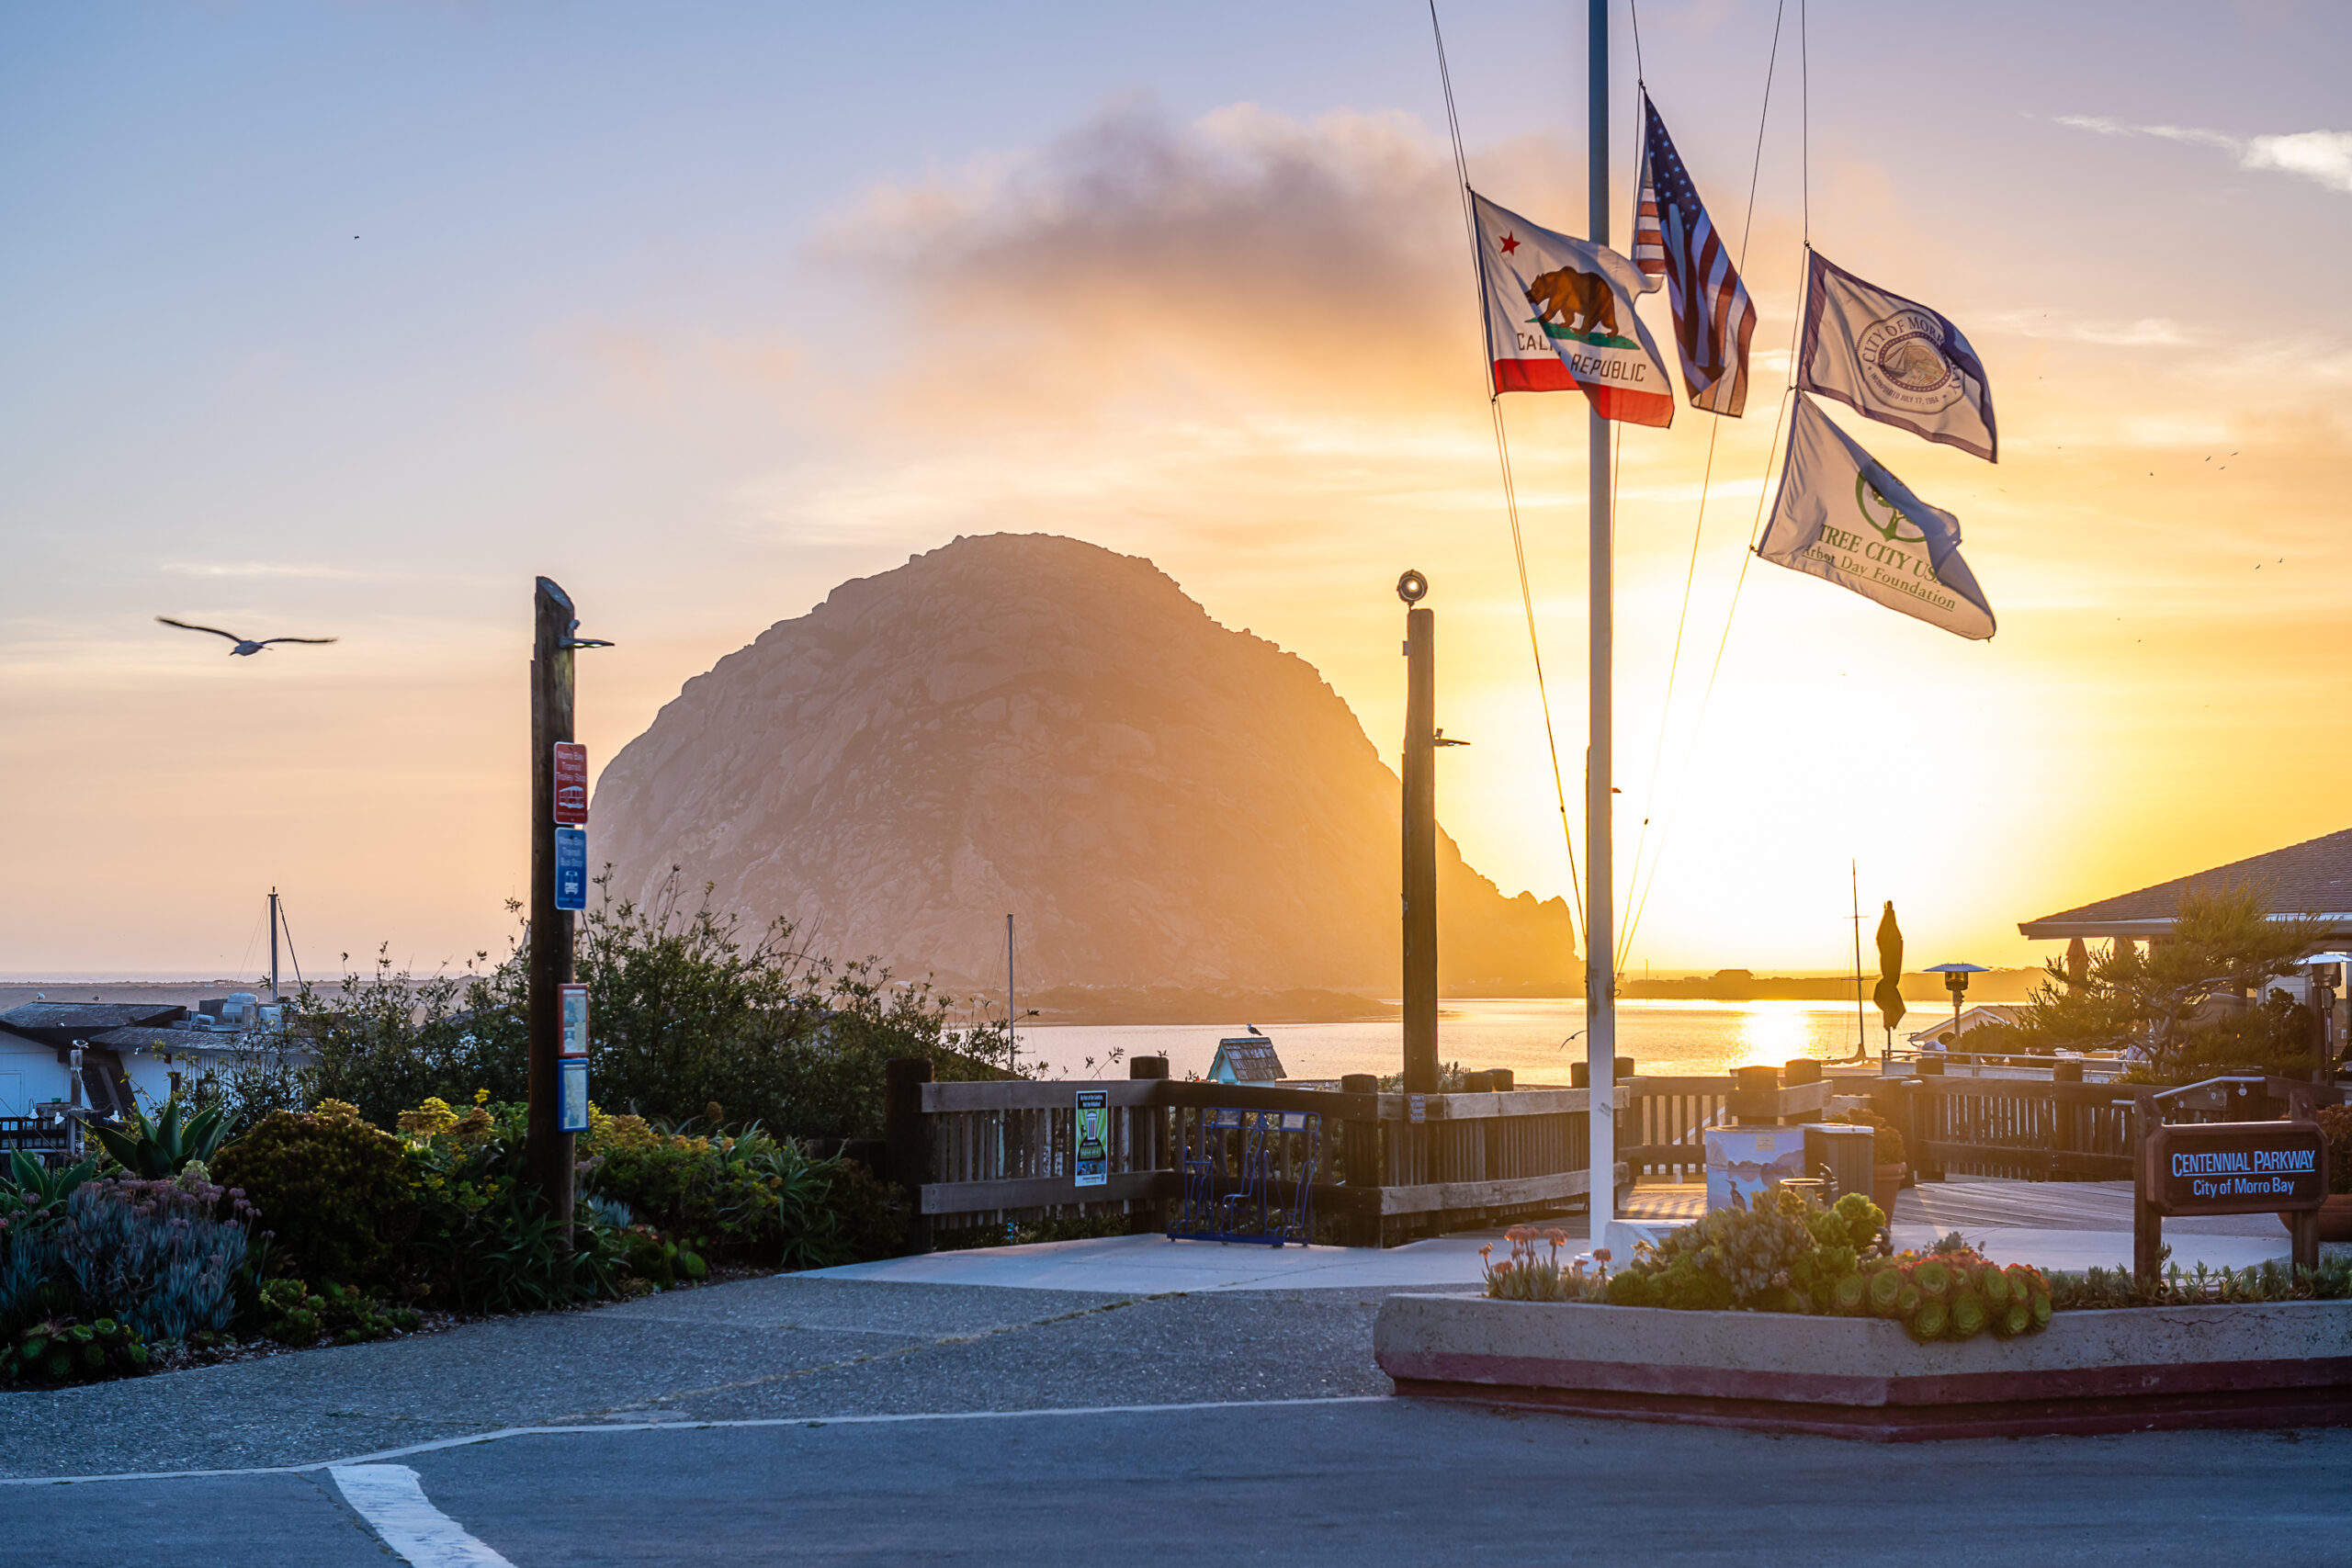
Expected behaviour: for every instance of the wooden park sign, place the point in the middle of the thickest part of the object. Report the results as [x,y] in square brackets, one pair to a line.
[2230,1167]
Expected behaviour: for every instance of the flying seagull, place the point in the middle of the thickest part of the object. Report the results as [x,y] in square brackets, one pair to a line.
[245,645]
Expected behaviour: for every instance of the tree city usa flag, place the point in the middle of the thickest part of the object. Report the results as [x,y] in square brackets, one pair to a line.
[1560,317]
[1841,516]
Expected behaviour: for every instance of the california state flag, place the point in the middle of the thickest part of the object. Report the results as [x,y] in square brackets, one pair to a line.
[1560,317]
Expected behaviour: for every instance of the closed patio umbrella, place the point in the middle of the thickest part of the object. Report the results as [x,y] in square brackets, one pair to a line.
[1889,994]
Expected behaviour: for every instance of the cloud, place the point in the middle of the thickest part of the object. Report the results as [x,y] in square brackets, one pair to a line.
[1245,257]
[2149,332]
[2324,156]
[306,570]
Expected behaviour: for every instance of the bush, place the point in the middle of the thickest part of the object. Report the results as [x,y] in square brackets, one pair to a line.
[1778,1256]
[292,1315]
[747,1196]
[484,1239]
[2336,1124]
[155,1256]
[688,1008]
[64,1351]
[2118,1287]
[338,1195]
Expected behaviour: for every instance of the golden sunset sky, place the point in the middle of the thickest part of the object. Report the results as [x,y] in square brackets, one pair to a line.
[348,320]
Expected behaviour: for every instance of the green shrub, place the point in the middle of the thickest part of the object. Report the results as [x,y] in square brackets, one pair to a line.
[160,1149]
[2200,1286]
[292,1313]
[62,1350]
[161,1257]
[690,1008]
[2336,1124]
[339,1196]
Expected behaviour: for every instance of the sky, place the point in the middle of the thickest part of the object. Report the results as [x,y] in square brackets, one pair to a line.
[347,319]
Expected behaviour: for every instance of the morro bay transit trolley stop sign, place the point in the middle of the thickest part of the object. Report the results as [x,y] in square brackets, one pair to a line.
[571,783]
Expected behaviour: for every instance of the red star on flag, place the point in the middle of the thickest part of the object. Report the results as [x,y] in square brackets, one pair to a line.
[1510,242]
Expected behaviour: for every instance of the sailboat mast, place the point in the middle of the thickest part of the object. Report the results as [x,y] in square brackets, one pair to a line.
[1600,964]
[273,945]
[1861,1028]
[1011,1018]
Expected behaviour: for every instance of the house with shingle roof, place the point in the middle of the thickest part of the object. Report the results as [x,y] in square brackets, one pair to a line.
[2310,878]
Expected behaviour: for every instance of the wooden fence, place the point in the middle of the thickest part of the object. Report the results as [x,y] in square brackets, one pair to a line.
[2033,1129]
[998,1154]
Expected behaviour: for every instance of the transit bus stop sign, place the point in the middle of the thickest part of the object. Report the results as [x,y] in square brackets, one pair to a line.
[571,868]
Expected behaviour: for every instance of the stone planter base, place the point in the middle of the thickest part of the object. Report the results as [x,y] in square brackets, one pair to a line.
[2283,1365]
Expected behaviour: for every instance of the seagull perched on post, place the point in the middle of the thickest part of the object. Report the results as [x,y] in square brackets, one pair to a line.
[245,645]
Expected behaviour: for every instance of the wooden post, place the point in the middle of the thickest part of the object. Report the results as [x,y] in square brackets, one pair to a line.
[1148,1131]
[548,1151]
[1421,851]
[2147,1225]
[904,1131]
[1364,1160]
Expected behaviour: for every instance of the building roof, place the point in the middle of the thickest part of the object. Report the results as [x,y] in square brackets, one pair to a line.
[61,1023]
[1975,1018]
[2313,877]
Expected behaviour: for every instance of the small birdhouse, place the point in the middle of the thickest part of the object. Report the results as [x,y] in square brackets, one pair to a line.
[1248,1059]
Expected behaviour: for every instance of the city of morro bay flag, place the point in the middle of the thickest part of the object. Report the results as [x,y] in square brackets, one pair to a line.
[1892,359]
[1843,517]
[1560,319]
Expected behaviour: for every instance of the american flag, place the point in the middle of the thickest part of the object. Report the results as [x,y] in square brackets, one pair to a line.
[1712,316]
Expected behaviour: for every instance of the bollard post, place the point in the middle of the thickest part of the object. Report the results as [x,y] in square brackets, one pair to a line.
[909,1140]
[1147,1134]
[1363,1145]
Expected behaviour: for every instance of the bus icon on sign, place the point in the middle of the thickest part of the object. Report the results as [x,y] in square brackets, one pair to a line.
[571,782]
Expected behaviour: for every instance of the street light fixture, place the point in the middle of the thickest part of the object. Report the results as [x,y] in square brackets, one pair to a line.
[1956,982]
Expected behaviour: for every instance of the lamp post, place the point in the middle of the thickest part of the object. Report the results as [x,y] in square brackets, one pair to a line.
[1956,982]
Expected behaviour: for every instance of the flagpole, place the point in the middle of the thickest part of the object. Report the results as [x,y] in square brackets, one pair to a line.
[1599,965]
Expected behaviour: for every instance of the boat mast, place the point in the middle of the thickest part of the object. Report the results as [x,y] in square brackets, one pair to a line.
[273,945]
[1599,965]
[1011,1026]
[1861,1030]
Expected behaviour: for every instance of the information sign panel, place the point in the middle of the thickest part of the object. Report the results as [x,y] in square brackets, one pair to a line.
[574,1014]
[571,868]
[1417,1107]
[571,1096]
[571,782]
[1094,1137]
[2234,1167]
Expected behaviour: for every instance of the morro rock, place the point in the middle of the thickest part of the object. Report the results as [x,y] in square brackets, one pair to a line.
[1030,723]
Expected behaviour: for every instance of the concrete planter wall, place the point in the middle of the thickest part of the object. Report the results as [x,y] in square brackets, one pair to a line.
[2284,1365]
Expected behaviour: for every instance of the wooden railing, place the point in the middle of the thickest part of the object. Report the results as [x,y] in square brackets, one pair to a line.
[988,1155]
[2033,1129]
[1662,1122]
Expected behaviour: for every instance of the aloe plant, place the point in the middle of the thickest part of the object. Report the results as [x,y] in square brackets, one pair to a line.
[160,1149]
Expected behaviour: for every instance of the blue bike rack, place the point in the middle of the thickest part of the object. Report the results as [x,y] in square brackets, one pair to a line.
[1234,1189]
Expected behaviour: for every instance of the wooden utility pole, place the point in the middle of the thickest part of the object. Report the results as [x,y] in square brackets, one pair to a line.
[549,1149]
[1420,837]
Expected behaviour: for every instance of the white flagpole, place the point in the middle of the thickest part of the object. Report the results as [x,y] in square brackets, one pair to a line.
[1599,962]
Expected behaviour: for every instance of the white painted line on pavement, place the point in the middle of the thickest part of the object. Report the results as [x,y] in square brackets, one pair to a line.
[502,1433]
[388,1497]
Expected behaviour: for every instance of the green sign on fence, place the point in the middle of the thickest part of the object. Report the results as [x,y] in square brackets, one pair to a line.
[1094,1137]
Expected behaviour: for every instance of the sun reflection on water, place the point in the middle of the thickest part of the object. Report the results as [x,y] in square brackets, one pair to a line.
[1773,1032]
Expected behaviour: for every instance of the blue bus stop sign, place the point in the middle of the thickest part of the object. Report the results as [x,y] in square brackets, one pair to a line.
[571,868]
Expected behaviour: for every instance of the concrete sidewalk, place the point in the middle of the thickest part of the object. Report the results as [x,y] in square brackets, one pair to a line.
[2053,1225]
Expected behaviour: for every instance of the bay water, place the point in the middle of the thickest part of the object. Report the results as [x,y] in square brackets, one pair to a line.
[1535,1038]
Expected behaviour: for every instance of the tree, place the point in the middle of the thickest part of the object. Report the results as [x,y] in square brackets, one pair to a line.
[2179,1009]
